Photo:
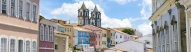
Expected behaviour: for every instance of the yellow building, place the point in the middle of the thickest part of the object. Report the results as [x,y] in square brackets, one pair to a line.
[111,37]
[104,38]
[60,42]
[69,30]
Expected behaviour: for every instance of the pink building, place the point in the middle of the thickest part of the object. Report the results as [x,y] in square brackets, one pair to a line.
[19,21]
[46,35]
[95,36]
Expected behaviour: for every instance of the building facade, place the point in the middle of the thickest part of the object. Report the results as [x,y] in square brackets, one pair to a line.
[85,19]
[46,35]
[97,34]
[81,38]
[60,39]
[69,30]
[170,25]
[19,25]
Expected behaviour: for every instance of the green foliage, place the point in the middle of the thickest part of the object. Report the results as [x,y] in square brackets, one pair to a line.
[128,31]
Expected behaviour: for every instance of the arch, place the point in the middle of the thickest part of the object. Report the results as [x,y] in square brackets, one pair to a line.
[47,33]
[12,44]
[42,32]
[4,43]
[51,34]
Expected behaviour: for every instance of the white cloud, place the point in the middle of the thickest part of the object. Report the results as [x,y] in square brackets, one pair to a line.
[145,28]
[71,10]
[123,1]
[145,14]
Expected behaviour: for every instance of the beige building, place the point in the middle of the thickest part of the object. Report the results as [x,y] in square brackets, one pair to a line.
[61,42]
[171,25]
[69,30]
[19,25]
[60,39]
[104,38]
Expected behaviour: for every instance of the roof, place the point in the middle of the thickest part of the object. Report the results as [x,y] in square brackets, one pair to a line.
[58,32]
[68,25]
[119,31]
[81,29]
[95,9]
[83,6]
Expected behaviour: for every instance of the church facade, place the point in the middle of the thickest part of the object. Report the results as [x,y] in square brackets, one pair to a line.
[85,19]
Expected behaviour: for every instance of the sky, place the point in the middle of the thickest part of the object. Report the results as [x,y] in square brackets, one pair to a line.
[114,13]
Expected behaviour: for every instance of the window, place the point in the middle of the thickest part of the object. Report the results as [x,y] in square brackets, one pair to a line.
[56,44]
[116,42]
[27,44]
[34,46]
[104,35]
[34,13]
[28,11]
[111,34]
[64,44]
[120,36]
[12,7]
[20,8]
[47,33]
[20,46]
[116,36]
[42,32]
[4,45]
[4,6]
[51,34]
[12,45]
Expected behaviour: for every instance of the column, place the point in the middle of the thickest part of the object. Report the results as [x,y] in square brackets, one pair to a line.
[0,6]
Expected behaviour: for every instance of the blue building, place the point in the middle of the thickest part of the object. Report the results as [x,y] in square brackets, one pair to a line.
[81,37]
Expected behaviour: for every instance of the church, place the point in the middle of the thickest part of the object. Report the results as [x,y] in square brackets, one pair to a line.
[85,19]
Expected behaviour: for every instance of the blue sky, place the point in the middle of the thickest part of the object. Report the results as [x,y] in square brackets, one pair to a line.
[115,13]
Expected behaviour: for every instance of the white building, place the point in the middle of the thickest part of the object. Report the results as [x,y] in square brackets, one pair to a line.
[129,46]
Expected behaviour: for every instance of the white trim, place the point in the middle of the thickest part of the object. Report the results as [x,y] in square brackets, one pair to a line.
[27,39]
[0,6]
[34,40]
[15,8]
[42,26]
[51,35]
[36,12]
[14,38]
[4,36]
[47,35]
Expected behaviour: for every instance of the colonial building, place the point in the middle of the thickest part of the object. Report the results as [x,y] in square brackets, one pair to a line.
[85,19]
[95,36]
[19,25]
[60,39]
[81,38]
[170,23]
[46,35]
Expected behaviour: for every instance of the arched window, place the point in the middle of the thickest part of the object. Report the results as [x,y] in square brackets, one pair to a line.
[27,11]
[12,45]
[34,13]
[12,8]
[20,8]
[41,32]
[4,6]
[51,34]
[4,45]
[27,44]
[34,46]
[20,46]
[46,33]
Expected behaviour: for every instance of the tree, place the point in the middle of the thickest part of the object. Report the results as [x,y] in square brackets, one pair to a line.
[128,31]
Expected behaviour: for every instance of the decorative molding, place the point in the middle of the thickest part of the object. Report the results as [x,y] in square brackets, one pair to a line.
[165,25]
